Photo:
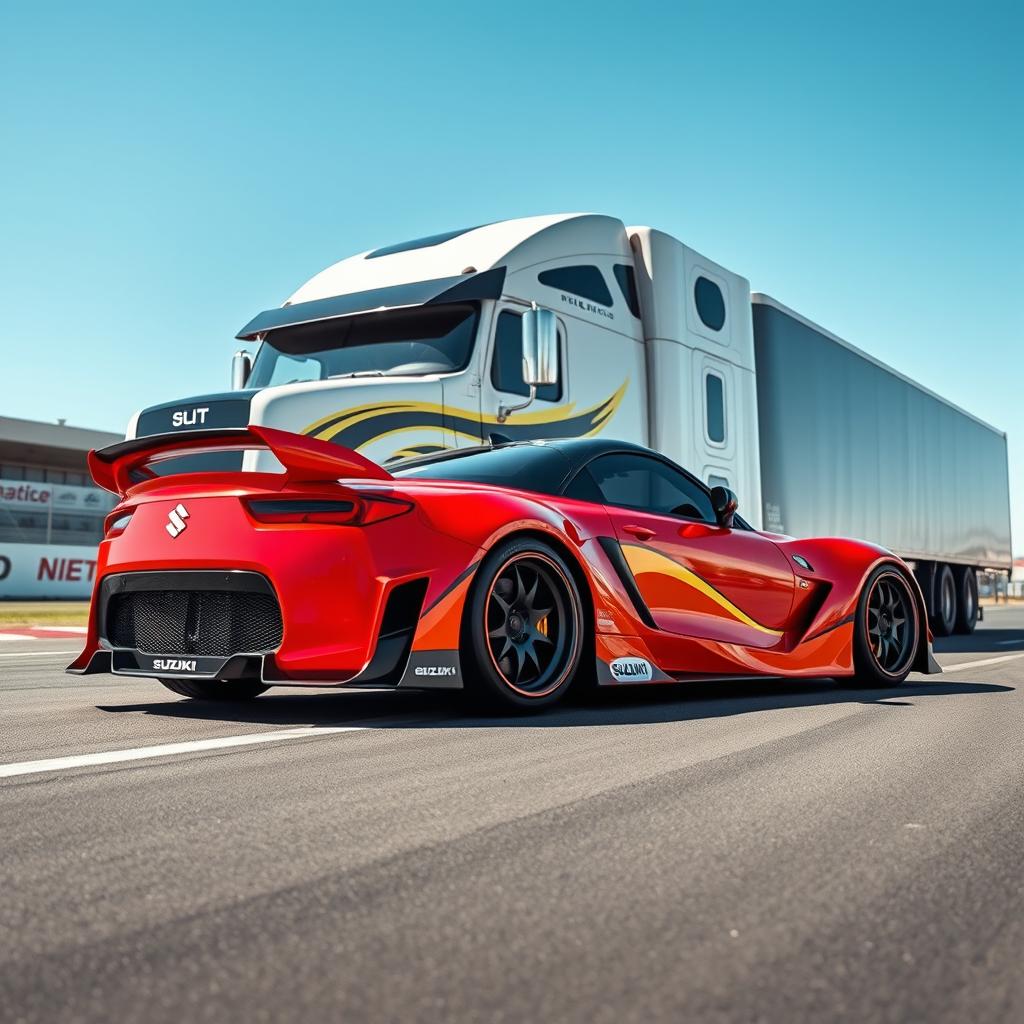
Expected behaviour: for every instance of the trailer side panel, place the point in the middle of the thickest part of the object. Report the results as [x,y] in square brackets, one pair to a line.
[849,447]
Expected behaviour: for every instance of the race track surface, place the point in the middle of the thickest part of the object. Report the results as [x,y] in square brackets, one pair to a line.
[780,852]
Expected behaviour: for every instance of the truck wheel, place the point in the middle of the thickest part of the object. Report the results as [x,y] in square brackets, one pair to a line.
[944,616]
[212,689]
[967,599]
[887,629]
[523,633]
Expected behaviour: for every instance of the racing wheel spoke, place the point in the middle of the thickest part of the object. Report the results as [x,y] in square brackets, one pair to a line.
[520,597]
[531,595]
[530,652]
[541,638]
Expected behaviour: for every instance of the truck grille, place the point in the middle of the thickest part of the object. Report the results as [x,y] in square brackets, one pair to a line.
[203,622]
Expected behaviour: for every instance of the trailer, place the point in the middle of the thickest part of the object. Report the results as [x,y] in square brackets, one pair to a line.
[417,347]
[937,474]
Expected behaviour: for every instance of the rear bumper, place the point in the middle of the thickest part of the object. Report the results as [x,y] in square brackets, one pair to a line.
[123,661]
[387,670]
[349,599]
[178,647]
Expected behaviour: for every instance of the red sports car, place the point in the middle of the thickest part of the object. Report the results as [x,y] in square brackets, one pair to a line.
[512,570]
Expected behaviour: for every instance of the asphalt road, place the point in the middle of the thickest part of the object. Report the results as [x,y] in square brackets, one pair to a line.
[797,852]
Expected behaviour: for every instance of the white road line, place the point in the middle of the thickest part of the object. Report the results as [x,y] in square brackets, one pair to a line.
[984,661]
[36,654]
[61,764]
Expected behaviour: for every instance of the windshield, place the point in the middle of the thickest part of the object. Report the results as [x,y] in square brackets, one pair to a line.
[399,342]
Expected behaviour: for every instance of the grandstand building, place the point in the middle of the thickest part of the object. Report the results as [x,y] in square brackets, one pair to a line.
[51,514]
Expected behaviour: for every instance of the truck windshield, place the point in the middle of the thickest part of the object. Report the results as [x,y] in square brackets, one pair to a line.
[399,342]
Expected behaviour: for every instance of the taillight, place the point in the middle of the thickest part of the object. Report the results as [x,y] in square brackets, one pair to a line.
[284,510]
[361,511]
[115,523]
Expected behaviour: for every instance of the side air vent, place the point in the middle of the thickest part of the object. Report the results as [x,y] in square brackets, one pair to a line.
[398,626]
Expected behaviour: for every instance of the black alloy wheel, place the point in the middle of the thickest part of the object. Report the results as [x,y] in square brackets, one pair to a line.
[887,629]
[526,625]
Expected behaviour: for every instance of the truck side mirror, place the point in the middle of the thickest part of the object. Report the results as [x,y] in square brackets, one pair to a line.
[241,367]
[540,356]
[540,347]
[725,503]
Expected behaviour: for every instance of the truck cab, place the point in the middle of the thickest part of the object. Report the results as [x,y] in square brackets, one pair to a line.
[418,347]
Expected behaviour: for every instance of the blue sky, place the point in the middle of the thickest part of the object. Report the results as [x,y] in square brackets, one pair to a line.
[168,172]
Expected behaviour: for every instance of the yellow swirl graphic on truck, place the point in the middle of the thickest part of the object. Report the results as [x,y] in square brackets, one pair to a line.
[364,424]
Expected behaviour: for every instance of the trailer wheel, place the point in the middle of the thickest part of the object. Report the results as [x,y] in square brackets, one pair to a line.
[967,599]
[945,610]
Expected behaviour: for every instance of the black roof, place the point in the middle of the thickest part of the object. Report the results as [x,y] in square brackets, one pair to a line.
[582,449]
[545,466]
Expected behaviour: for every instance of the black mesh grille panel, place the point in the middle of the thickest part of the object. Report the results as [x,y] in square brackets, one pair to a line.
[203,622]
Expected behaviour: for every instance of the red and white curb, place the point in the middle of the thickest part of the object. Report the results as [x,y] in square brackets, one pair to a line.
[12,633]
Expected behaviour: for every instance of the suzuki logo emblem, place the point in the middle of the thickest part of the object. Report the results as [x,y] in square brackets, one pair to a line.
[177,517]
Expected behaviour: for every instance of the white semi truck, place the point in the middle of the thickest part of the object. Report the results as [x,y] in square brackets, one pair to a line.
[413,348]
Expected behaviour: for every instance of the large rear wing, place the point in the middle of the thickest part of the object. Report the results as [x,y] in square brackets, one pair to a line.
[119,466]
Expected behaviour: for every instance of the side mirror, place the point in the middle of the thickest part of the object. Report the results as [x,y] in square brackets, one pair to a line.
[725,503]
[241,367]
[540,347]
[540,356]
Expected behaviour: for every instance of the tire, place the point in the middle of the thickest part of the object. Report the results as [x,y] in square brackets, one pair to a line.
[967,599]
[944,617]
[523,632]
[887,630]
[213,689]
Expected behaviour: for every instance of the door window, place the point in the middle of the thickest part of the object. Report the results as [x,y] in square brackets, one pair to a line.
[714,407]
[507,362]
[643,483]
[587,282]
[710,302]
[626,278]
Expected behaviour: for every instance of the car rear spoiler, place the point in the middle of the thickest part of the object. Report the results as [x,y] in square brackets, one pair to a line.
[305,459]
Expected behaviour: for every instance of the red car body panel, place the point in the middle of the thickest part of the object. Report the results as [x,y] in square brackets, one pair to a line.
[693,600]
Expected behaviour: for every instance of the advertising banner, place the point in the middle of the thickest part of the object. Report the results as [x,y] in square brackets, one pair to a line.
[30,571]
[62,497]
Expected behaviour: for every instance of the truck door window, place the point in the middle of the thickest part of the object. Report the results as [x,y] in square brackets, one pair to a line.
[586,281]
[710,303]
[626,278]
[646,484]
[714,407]
[507,362]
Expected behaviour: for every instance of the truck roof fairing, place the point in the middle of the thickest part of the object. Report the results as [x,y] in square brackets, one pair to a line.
[485,285]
